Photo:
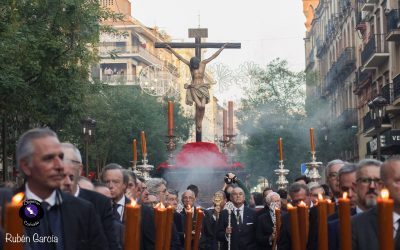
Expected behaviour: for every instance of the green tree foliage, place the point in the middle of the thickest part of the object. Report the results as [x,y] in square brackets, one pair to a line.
[274,107]
[47,49]
[122,112]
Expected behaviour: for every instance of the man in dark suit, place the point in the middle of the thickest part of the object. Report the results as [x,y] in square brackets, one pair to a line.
[331,171]
[347,181]
[72,170]
[265,225]
[242,229]
[298,192]
[71,220]
[116,178]
[365,225]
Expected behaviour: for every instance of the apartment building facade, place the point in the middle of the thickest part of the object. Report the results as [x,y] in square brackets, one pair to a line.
[352,55]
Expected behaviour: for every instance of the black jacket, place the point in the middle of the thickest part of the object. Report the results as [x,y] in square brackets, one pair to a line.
[102,204]
[243,236]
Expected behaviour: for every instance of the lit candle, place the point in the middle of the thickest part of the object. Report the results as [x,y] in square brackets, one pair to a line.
[302,211]
[134,150]
[230,117]
[280,149]
[143,140]
[344,222]
[188,229]
[160,215]
[312,143]
[294,227]
[13,223]
[224,124]
[170,118]
[322,223]
[132,226]
[385,220]
[197,230]
[331,207]
[168,230]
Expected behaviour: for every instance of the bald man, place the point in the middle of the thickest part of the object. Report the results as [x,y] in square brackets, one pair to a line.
[242,229]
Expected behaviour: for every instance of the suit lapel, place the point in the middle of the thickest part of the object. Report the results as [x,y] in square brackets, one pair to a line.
[66,215]
[373,219]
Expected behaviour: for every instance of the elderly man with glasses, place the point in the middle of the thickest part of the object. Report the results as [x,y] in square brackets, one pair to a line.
[332,172]
[368,183]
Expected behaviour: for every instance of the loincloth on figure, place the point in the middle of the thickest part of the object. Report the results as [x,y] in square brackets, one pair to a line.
[200,90]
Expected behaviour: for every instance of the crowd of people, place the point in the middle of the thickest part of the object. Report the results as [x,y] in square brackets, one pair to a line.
[90,215]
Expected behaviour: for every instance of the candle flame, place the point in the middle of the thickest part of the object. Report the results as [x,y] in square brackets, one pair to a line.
[345,195]
[320,197]
[385,194]
[329,200]
[302,204]
[289,205]
[159,205]
[133,202]
[16,199]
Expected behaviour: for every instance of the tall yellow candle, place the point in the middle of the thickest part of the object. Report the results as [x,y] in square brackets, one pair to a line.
[331,207]
[322,223]
[168,229]
[13,223]
[198,226]
[132,226]
[230,117]
[160,215]
[170,118]
[143,140]
[280,149]
[302,211]
[344,222]
[188,229]
[294,227]
[312,142]
[134,150]
[385,220]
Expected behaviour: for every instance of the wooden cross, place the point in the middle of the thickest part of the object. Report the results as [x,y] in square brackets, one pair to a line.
[197,34]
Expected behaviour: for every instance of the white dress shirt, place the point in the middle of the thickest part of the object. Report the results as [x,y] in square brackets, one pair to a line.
[29,195]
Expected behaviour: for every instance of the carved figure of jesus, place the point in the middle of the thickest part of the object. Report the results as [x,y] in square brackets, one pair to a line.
[197,90]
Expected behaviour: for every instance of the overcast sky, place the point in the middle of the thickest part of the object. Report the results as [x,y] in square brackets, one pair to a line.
[267,29]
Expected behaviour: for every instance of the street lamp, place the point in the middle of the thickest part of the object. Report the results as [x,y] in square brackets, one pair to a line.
[377,111]
[88,125]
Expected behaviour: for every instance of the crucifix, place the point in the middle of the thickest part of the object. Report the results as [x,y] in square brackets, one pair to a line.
[197,90]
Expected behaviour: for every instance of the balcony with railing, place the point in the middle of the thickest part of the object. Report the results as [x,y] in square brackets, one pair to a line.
[136,52]
[118,79]
[396,88]
[369,128]
[348,117]
[393,25]
[375,52]
[346,63]
[386,93]
[330,78]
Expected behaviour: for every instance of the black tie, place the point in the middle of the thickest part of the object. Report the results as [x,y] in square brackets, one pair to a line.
[238,217]
[397,238]
[115,211]
[43,229]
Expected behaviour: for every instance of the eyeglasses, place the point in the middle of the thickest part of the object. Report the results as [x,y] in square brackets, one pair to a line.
[333,175]
[73,161]
[187,198]
[368,181]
